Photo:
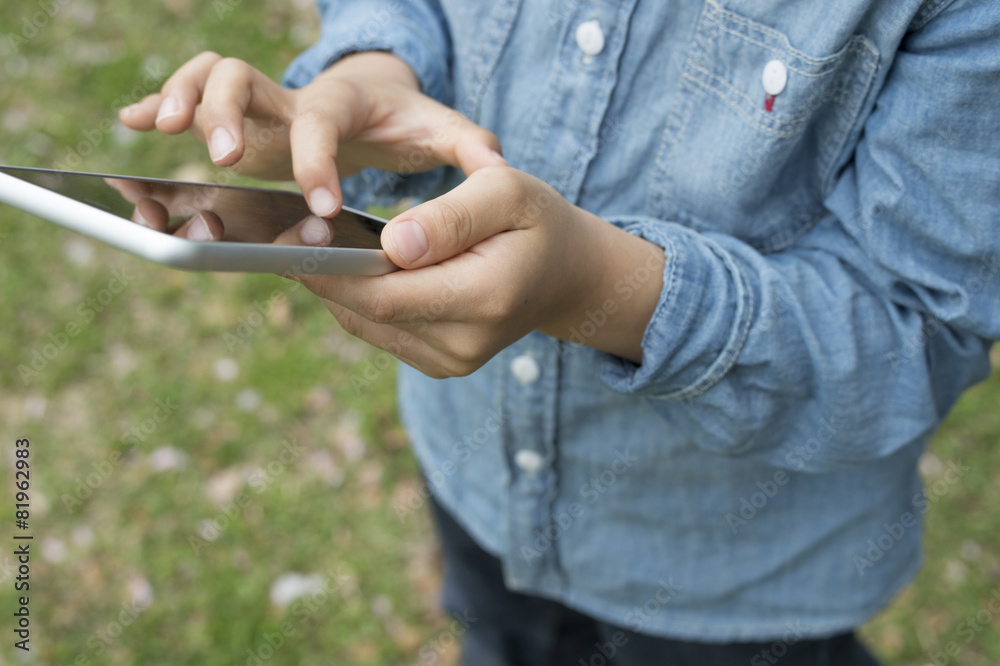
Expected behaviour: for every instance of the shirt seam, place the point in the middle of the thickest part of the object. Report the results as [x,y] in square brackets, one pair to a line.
[928,12]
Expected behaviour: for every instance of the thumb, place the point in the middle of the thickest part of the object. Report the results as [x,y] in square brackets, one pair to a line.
[454,222]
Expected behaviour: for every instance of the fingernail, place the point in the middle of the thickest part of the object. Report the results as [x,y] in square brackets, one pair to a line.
[409,239]
[128,110]
[322,202]
[168,107]
[199,230]
[315,231]
[221,144]
[499,156]
[139,219]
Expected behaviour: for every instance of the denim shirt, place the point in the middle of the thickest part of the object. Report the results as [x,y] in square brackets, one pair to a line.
[830,288]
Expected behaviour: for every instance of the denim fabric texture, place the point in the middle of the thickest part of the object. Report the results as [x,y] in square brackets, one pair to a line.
[503,628]
[830,289]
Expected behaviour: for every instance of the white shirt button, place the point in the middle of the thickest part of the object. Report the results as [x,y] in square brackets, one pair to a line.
[529,461]
[775,77]
[590,37]
[525,369]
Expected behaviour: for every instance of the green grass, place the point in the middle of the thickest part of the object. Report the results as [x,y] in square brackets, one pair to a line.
[109,527]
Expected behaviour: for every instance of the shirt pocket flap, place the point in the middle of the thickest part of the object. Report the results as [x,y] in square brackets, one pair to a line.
[734,160]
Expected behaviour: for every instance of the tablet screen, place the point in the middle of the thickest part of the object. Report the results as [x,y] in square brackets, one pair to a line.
[248,215]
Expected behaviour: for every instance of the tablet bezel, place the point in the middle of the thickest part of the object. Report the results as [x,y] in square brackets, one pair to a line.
[182,253]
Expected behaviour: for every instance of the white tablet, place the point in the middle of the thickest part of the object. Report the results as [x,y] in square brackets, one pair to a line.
[254,229]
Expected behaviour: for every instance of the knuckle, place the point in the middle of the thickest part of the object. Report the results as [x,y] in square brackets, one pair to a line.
[316,98]
[230,61]
[310,163]
[311,117]
[316,129]
[381,309]
[307,168]
[232,68]
[453,222]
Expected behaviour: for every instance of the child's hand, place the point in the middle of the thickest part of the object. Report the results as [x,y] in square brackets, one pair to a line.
[366,110]
[497,257]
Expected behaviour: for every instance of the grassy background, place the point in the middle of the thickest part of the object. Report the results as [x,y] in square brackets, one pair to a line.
[252,456]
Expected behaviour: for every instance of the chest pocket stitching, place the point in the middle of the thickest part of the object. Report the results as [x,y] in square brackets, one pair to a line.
[778,41]
[713,22]
[788,126]
[792,58]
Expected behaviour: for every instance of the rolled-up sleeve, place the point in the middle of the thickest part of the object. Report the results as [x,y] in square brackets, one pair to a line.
[862,334]
[416,31]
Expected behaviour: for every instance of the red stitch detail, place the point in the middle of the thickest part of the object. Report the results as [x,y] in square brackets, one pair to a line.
[769,103]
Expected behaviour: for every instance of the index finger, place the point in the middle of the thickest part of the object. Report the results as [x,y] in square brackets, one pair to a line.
[403,298]
[234,90]
[326,113]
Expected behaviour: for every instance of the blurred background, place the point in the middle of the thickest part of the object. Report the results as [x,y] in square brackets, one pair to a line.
[218,473]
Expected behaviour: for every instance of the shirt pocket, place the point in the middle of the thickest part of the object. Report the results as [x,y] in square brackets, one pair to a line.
[728,164]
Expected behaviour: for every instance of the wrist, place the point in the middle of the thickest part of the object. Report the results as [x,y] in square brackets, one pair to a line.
[372,66]
[616,295]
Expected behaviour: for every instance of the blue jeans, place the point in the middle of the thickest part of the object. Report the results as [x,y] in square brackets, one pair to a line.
[504,628]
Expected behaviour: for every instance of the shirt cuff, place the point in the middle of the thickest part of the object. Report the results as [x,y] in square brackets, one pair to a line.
[700,323]
[351,32]
[416,35]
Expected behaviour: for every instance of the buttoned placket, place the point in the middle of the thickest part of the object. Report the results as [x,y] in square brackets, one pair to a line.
[564,142]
